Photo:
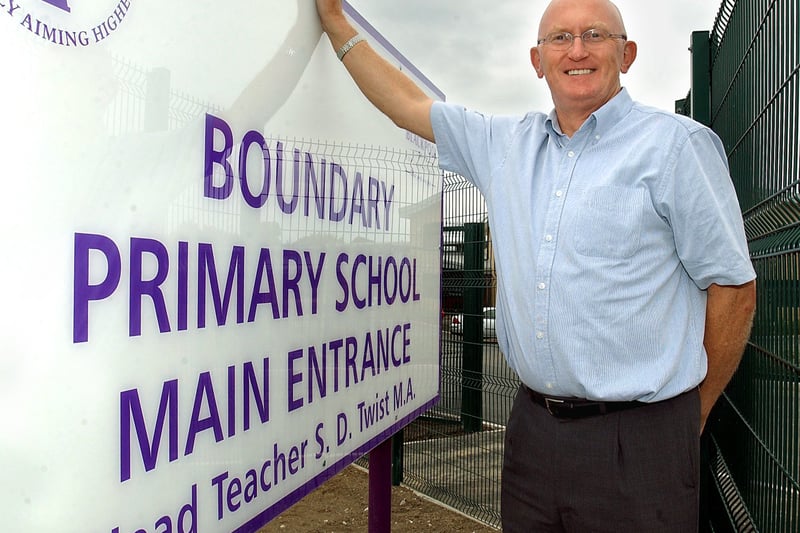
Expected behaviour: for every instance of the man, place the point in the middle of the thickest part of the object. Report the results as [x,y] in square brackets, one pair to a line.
[625,290]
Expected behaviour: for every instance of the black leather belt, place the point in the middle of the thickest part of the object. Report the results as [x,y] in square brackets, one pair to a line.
[577,408]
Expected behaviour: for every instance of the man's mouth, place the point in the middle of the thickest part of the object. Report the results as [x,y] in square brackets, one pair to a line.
[579,72]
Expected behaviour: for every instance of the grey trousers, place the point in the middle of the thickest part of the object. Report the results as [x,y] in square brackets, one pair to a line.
[635,470]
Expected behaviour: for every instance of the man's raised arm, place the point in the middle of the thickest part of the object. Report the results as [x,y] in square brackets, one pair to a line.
[391,91]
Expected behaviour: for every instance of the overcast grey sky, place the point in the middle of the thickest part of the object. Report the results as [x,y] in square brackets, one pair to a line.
[477,51]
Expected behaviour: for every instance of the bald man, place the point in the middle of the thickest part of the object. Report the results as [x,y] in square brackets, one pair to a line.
[625,289]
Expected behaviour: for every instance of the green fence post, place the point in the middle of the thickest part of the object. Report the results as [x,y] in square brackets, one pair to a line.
[472,363]
[700,110]
[397,458]
[701,77]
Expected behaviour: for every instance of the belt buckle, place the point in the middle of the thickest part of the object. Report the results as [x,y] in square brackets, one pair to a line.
[549,401]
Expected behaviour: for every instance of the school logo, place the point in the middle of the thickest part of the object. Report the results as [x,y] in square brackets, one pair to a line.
[61,4]
[69,23]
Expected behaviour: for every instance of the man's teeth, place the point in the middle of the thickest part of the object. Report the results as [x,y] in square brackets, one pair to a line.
[579,72]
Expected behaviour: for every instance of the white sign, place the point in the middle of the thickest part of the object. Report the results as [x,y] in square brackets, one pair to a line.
[221,265]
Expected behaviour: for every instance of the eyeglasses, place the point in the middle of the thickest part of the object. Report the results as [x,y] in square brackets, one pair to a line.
[563,40]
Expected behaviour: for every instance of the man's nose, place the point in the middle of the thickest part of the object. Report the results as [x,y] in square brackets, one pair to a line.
[577,50]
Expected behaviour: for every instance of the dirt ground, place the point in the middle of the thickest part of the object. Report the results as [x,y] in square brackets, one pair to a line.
[340,505]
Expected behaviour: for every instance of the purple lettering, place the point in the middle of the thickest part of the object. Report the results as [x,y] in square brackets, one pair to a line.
[336,345]
[264,268]
[250,138]
[45,32]
[350,365]
[318,186]
[294,379]
[341,305]
[368,361]
[391,262]
[387,205]
[291,280]
[405,292]
[214,124]
[100,32]
[373,190]
[406,344]
[337,213]
[26,21]
[183,285]
[396,361]
[383,349]
[11,7]
[205,391]
[217,482]
[83,291]
[287,207]
[120,11]
[361,259]
[234,491]
[232,401]
[316,372]
[314,278]
[416,295]
[252,392]
[357,200]
[131,407]
[374,279]
[151,288]
[207,269]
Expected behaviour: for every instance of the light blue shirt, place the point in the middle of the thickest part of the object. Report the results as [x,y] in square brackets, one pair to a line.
[604,243]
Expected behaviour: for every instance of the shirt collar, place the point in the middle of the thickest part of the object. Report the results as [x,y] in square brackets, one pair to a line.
[602,120]
[608,116]
[553,129]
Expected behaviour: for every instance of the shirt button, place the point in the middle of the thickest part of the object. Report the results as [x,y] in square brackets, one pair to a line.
[559,194]
[541,286]
[549,238]
[548,385]
[540,335]
[571,153]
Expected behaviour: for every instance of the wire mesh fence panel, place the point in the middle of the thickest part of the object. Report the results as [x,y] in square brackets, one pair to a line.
[754,444]
[454,453]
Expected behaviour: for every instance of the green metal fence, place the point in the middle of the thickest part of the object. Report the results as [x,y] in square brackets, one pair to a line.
[753,442]
[454,453]
[746,85]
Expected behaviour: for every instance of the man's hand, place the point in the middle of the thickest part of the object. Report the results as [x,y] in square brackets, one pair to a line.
[333,20]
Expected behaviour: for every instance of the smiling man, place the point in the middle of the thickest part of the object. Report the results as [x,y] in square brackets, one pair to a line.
[625,289]
[581,71]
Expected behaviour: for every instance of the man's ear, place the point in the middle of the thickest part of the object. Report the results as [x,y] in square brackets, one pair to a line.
[628,56]
[536,61]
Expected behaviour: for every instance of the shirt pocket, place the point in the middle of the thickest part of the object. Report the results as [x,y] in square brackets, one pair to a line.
[609,222]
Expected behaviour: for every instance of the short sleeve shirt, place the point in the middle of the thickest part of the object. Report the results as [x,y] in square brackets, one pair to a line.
[604,243]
